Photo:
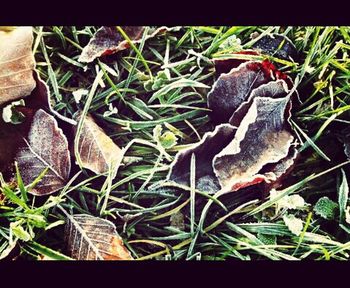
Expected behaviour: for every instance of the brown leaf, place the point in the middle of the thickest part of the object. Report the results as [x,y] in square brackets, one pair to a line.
[205,150]
[16,64]
[93,238]
[45,147]
[261,138]
[232,89]
[97,151]
[108,40]
[273,89]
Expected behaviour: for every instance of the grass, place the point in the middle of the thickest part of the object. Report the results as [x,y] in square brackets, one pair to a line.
[164,81]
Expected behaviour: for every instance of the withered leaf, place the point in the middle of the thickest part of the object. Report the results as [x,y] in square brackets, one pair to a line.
[205,150]
[45,147]
[93,238]
[233,88]
[225,65]
[262,137]
[16,64]
[273,89]
[97,151]
[108,40]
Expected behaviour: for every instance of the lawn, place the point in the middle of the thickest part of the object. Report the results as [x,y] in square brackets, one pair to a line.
[151,100]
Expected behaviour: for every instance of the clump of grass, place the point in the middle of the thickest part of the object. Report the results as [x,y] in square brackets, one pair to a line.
[166,88]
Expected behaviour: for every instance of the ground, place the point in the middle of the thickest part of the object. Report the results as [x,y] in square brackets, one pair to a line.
[165,222]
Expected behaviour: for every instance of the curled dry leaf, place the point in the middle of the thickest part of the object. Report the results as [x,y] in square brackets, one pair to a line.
[97,151]
[16,64]
[233,88]
[260,139]
[205,150]
[93,238]
[45,147]
[256,146]
[108,40]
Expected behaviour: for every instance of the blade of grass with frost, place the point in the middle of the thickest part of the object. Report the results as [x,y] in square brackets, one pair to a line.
[52,75]
[21,184]
[138,125]
[320,131]
[193,191]
[46,251]
[343,194]
[137,51]
[309,140]
[182,83]
[83,115]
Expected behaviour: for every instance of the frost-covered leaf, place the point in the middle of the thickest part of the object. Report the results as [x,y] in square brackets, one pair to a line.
[93,238]
[287,202]
[45,147]
[97,151]
[326,208]
[261,138]
[108,40]
[235,87]
[205,150]
[16,64]
[273,89]
[294,224]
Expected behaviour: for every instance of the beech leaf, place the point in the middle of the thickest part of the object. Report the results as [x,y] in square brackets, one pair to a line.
[45,147]
[16,64]
[97,151]
[93,238]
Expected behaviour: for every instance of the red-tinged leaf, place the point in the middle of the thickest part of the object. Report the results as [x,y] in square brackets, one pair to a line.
[205,150]
[108,40]
[232,89]
[45,147]
[262,137]
[16,64]
[97,151]
[93,238]
[225,65]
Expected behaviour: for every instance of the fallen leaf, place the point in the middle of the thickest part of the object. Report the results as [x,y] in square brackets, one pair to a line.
[45,147]
[108,40]
[97,151]
[205,150]
[93,238]
[226,64]
[233,88]
[273,89]
[16,64]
